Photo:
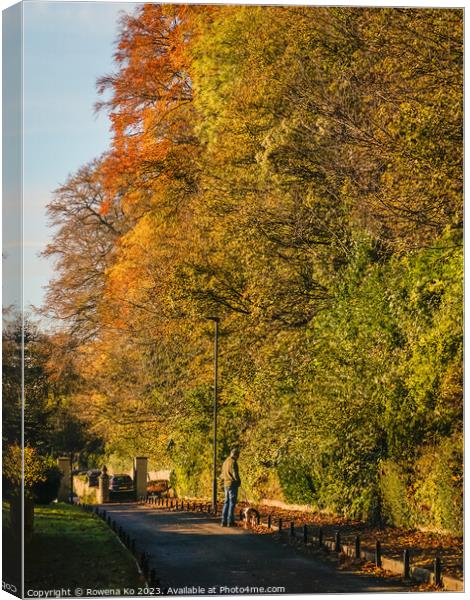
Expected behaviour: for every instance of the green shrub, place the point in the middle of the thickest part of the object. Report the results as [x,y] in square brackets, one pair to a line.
[297,482]
[394,485]
[439,493]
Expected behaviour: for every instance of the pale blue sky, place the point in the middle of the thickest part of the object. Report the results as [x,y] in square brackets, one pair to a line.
[67,45]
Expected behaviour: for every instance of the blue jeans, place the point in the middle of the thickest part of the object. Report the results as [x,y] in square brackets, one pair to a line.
[231,493]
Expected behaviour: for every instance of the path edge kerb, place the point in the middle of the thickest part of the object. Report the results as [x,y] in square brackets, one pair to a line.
[449,584]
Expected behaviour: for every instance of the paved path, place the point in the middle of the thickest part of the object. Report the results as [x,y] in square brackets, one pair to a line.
[191,549]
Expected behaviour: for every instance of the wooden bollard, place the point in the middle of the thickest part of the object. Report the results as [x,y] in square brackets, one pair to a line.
[357,547]
[280,525]
[103,514]
[305,533]
[320,537]
[378,554]
[269,521]
[337,542]
[292,529]
[437,571]
[406,564]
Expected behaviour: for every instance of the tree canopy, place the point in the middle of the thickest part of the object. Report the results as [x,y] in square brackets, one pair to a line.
[297,172]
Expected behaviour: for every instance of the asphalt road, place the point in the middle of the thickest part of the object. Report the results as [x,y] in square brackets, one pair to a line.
[191,550]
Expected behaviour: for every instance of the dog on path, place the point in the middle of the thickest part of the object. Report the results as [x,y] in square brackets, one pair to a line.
[250,516]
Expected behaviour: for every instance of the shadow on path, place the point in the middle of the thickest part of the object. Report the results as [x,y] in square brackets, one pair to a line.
[193,550]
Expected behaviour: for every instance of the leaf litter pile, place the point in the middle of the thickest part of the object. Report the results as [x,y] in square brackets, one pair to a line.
[423,545]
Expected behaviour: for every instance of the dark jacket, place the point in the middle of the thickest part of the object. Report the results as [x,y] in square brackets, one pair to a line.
[229,473]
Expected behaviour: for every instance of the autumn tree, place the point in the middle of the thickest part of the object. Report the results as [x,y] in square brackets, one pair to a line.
[297,172]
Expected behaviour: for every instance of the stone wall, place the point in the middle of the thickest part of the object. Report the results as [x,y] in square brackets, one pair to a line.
[82,489]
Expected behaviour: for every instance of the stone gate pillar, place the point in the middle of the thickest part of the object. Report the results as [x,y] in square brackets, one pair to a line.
[103,486]
[64,490]
[140,476]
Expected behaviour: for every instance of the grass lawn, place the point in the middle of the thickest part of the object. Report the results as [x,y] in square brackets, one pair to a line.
[72,548]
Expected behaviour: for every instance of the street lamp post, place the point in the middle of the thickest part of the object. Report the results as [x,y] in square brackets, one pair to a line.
[215,406]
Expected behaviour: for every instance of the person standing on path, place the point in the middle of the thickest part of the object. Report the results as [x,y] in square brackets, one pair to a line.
[231,480]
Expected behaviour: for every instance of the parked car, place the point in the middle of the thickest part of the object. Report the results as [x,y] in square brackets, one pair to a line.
[121,483]
[92,477]
[158,487]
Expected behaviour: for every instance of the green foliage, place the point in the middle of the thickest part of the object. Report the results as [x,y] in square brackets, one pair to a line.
[190,449]
[394,486]
[438,488]
[296,481]
[23,466]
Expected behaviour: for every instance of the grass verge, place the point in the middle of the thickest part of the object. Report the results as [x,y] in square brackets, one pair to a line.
[71,548]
